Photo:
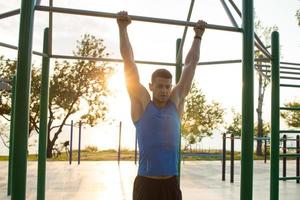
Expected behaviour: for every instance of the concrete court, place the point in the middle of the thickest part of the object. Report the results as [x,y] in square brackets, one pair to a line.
[105,180]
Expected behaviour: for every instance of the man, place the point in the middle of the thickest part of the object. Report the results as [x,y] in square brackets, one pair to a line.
[157,121]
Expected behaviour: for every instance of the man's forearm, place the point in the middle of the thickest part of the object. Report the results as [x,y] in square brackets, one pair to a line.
[125,46]
[193,55]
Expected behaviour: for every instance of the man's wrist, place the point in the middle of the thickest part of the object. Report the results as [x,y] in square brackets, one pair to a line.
[197,37]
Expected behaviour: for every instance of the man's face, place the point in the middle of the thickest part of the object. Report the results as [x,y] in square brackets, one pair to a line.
[161,89]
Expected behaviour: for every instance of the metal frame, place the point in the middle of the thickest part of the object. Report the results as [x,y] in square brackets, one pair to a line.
[24,68]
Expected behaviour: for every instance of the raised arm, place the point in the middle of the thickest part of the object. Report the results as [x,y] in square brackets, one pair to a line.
[139,95]
[181,90]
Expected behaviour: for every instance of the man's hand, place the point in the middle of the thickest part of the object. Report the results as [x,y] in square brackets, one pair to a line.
[123,19]
[199,28]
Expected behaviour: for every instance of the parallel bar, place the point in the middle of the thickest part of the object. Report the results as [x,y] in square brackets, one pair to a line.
[16,48]
[133,17]
[290,155]
[290,78]
[246,187]
[289,85]
[290,178]
[43,134]
[275,119]
[289,108]
[289,131]
[20,142]
[10,13]
[282,72]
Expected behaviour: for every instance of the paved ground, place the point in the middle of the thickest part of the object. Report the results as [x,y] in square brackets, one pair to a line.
[108,181]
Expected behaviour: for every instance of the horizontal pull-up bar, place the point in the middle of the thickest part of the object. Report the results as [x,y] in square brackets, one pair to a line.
[16,48]
[109,60]
[133,17]
[9,14]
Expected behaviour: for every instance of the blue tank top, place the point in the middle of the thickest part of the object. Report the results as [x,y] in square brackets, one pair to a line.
[158,134]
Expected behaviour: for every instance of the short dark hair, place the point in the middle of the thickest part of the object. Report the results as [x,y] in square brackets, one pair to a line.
[163,73]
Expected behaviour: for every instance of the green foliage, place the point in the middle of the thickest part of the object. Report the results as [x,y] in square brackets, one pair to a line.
[235,127]
[71,85]
[199,119]
[91,148]
[265,129]
[298,16]
[292,117]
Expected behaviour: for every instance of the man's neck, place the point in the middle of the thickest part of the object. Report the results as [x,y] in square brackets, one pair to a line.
[160,104]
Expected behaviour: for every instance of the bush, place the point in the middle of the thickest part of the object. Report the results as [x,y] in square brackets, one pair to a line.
[91,148]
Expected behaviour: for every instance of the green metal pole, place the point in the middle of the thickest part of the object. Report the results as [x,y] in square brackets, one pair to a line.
[178,60]
[275,118]
[247,103]
[178,74]
[22,101]
[43,135]
[11,135]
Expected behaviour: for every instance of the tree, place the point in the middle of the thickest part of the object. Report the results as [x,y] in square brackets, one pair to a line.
[235,127]
[298,16]
[263,73]
[72,84]
[292,117]
[199,119]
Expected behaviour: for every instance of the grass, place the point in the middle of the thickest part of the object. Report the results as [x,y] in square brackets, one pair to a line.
[111,155]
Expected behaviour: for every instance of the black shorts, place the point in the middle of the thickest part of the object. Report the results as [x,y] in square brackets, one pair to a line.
[156,189]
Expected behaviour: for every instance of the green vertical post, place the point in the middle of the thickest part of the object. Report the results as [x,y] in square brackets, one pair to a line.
[43,135]
[22,101]
[275,119]
[11,135]
[247,103]
[178,74]
[178,60]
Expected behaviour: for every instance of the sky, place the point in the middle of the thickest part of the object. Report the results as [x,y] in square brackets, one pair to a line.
[157,42]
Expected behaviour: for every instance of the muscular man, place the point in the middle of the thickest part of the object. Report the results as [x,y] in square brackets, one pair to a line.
[157,119]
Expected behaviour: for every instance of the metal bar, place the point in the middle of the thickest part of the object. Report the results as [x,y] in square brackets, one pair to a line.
[290,178]
[246,187]
[283,72]
[71,143]
[16,48]
[9,14]
[179,56]
[232,158]
[11,135]
[284,158]
[298,159]
[133,17]
[290,78]
[110,60]
[293,68]
[79,143]
[289,85]
[224,157]
[290,155]
[259,44]
[178,74]
[289,131]
[119,148]
[289,108]
[43,134]
[22,101]
[50,28]
[219,62]
[265,151]
[229,14]
[290,63]
[275,119]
